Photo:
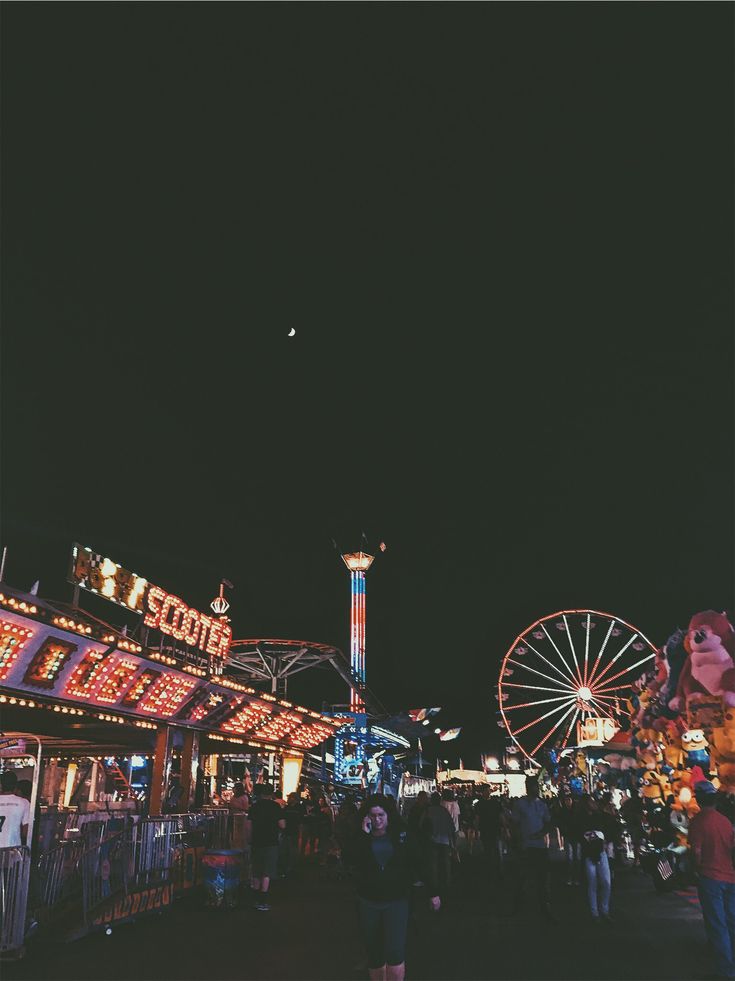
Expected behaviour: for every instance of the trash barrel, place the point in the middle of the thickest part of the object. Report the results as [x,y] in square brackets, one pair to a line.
[221,877]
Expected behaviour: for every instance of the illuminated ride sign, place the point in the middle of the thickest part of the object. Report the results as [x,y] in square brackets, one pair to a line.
[162,611]
[87,671]
[595,731]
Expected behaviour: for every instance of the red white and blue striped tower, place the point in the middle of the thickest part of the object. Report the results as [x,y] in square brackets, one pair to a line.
[358,563]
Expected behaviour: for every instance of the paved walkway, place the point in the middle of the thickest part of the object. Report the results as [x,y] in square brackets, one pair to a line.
[311,933]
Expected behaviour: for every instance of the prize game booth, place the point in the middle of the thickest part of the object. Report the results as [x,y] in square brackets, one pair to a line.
[129,743]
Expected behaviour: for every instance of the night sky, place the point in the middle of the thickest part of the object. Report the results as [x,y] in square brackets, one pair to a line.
[503,235]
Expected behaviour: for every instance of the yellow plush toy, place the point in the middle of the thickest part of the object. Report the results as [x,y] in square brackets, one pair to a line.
[723,745]
[671,746]
[655,785]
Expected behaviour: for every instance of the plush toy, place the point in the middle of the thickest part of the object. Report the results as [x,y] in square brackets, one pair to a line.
[695,747]
[655,786]
[726,774]
[709,669]
[723,750]
[676,655]
[673,749]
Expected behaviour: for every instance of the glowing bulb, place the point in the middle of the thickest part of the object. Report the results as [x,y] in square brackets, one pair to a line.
[584,693]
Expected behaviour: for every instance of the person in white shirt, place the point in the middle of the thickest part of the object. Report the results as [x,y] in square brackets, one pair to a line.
[14,813]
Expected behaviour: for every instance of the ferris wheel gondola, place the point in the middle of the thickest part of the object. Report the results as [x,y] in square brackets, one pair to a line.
[566,667]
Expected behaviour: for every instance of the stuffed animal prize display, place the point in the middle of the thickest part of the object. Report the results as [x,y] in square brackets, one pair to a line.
[682,716]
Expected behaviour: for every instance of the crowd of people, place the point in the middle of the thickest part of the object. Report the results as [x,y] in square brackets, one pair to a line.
[395,860]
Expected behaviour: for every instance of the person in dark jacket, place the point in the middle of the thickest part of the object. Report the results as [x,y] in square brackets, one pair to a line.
[385,867]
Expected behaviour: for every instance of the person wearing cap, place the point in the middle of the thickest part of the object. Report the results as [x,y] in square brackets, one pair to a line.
[712,839]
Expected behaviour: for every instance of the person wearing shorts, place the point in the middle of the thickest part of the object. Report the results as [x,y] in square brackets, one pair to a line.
[386,867]
[266,817]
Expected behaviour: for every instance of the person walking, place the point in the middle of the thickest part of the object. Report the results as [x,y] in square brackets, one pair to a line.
[488,818]
[267,820]
[567,819]
[14,812]
[441,833]
[293,815]
[324,828]
[385,869]
[711,840]
[533,823]
[598,830]
[449,803]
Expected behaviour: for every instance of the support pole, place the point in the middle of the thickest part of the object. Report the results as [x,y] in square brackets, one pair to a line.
[189,767]
[161,768]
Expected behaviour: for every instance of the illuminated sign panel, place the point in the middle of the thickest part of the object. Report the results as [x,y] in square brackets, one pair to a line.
[12,641]
[162,611]
[595,731]
[40,653]
[47,662]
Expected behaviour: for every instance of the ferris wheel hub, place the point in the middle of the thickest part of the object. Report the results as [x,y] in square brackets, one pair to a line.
[584,693]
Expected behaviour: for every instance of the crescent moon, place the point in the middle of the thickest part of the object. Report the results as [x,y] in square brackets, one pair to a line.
[292,332]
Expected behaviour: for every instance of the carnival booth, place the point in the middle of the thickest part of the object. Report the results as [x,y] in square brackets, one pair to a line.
[141,729]
[682,716]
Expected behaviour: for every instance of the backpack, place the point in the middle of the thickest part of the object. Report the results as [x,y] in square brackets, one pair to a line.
[593,843]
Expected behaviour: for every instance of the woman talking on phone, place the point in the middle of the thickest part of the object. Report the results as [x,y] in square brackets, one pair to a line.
[386,867]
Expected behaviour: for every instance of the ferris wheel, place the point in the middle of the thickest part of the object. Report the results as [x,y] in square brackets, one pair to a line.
[569,666]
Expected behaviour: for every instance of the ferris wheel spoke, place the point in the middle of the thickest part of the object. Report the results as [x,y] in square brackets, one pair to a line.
[553,644]
[511,684]
[586,648]
[601,708]
[558,708]
[601,652]
[567,678]
[566,738]
[629,668]
[571,644]
[553,729]
[616,658]
[539,673]
[607,698]
[540,701]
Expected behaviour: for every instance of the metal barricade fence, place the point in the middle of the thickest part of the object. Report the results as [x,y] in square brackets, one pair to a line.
[57,870]
[154,840]
[15,866]
[105,868]
[101,863]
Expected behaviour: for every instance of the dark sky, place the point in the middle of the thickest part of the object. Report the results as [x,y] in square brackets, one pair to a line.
[503,234]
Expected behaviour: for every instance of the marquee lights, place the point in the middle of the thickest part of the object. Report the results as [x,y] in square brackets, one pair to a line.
[278,727]
[310,735]
[118,680]
[12,641]
[173,617]
[163,611]
[140,686]
[163,658]
[47,662]
[17,605]
[235,685]
[68,624]
[87,672]
[106,671]
[167,694]
[247,718]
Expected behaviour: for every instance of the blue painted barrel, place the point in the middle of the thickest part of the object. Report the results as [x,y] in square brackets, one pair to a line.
[221,878]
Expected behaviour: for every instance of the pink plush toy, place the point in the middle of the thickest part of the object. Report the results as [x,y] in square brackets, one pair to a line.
[709,669]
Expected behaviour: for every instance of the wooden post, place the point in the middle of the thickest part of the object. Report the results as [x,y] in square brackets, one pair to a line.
[161,768]
[189,766]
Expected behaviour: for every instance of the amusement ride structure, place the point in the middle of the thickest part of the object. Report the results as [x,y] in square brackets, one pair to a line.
[566,668]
